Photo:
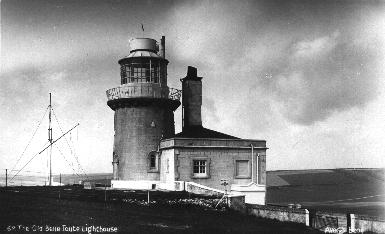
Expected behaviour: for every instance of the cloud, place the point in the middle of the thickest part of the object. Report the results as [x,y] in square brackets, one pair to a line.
[310,77]
[204,31]
[314,48]
[209,111]
[319,77]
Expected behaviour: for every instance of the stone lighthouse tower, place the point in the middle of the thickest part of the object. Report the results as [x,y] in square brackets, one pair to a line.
[144,112]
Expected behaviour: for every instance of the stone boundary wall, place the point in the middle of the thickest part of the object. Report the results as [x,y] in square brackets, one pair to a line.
[329,222]
[279,213]
[365,223]
[237,202]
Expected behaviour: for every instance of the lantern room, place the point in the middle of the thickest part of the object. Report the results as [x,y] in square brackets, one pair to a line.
[144,64]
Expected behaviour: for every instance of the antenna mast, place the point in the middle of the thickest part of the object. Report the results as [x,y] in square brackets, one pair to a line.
[50,141]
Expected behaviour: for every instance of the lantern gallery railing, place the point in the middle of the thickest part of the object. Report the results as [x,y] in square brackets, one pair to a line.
[175,94]
[144,90]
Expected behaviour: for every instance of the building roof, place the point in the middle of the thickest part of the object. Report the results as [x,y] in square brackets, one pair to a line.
[201,132]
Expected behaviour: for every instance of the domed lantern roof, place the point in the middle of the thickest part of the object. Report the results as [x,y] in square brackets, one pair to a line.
[147,44]
[143,48]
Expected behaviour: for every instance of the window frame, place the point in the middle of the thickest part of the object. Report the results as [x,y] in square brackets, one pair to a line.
[205,175]
[151,169]
[236,173]
[141,72]
[152,161]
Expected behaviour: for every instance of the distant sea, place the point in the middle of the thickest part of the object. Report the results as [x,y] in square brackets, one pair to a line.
[39,180]
[24,180]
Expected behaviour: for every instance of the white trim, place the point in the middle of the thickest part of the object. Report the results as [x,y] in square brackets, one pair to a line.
[216,139]
[257,169]
[252,163]
[134,184]
[211,146]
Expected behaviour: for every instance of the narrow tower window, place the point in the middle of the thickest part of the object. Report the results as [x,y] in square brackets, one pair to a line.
[153,162]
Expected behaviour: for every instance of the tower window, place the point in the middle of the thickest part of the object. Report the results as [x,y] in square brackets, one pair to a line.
[123,75]
[153,162]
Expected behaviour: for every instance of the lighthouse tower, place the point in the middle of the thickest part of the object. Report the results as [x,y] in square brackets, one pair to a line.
[144,113]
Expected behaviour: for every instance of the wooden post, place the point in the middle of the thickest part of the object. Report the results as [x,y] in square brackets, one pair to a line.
[105,191]
[59,186]
[148,197]
[6,178]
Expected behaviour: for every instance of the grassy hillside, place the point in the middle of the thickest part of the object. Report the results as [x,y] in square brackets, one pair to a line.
[345,190]
[326,176]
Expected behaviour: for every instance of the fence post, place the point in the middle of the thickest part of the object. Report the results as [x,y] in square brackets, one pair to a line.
[105,190]
[307,219]
[6,178]
[60,186]
[351,223]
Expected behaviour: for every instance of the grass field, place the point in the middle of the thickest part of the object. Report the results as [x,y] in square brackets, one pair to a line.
[359,191]
[40,207]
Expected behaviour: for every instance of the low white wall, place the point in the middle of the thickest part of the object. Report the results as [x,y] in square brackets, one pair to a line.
[166,186]
[130,184]
[193,187]
[255,197]
[172,186]
[254,193]
[147,185]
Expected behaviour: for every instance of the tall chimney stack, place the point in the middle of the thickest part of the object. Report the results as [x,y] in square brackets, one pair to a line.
[163,47]
[191,98]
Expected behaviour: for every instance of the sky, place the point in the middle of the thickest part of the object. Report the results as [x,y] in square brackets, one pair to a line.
[306,76]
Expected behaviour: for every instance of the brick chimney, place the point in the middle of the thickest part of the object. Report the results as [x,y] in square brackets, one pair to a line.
[191,99]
